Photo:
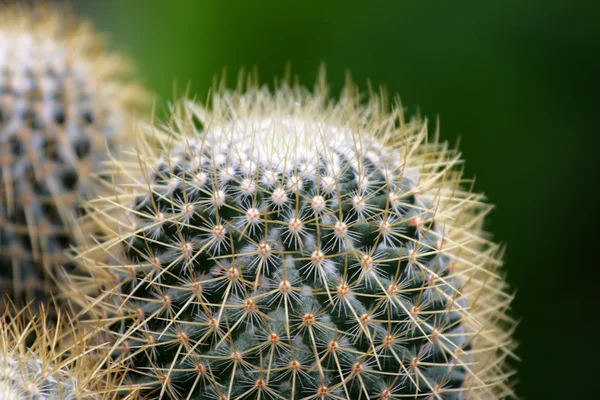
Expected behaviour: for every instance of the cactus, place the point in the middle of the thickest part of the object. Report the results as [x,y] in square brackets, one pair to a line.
[59,365]
[278,245]
[62,99]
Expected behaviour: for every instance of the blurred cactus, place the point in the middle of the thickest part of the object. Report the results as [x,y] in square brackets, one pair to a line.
[63,103]
[278,245]
[59,365]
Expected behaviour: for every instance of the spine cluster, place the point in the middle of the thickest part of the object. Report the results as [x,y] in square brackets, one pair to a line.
[59,365]
[279,246]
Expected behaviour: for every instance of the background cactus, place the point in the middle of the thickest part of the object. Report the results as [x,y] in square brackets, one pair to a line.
[278,245]
[60,365]
[62,100]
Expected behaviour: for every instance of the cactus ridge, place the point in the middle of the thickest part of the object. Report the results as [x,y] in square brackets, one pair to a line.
[58,111]
[279,246]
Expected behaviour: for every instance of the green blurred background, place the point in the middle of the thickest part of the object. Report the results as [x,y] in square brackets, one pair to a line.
[515,80]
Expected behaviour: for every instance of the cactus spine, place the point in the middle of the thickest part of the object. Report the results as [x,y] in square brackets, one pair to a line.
[62,99]
[277,245]
[59,365]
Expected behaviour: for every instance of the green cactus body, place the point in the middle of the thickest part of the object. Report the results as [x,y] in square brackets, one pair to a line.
[290,248]
[61,101]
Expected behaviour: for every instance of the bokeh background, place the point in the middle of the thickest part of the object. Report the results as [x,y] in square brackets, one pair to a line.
[516,81]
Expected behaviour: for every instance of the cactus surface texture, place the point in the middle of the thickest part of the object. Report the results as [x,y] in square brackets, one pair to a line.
[62,100]
[281,245]
[58,366]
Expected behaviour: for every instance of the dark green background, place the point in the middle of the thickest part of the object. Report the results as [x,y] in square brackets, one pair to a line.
[515,80]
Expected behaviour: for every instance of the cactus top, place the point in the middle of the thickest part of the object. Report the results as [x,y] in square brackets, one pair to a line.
[280,246]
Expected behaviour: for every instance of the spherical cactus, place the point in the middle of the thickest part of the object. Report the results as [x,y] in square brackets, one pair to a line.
[62,100]
[59,365]
[278,245]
